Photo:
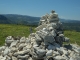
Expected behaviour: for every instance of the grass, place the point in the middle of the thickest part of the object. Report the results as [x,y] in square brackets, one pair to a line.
[13,30]
[74,36]
[22,30]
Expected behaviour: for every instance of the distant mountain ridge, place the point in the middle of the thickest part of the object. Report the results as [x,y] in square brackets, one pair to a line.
[25,19]
[21,19]
[4,20]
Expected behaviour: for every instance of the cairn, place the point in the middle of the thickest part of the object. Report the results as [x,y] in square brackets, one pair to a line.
[45,44]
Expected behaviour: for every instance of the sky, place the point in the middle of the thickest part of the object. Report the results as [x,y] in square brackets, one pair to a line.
[67,9]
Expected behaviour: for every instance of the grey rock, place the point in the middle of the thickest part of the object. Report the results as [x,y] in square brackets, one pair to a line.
[13,49]
[56,45]
[41,52]
[49,39]
[14,43]
[60,51]
[9,41]
[21,46]
[23,57]
[21,52]
[38,39]
[51,47]
[6,51]
[2,58]
[67,39]
[14,58]
[9,38]
[59,58]
[56,53]
[30,58]
[2,48]
[41,27]
[49,53]
[23,40]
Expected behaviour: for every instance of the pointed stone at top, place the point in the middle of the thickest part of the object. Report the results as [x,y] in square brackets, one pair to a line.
[52,11]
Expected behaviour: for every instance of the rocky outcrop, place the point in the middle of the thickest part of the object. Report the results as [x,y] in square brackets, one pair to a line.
[45,44]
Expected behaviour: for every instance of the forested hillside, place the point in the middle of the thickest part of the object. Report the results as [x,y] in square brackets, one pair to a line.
[72,26]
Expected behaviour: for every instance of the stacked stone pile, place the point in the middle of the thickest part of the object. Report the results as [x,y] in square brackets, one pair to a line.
[45,44]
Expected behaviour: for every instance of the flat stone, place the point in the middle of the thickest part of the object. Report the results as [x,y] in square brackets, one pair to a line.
[23,40]
[14,58]
[30,58]
[6,51]
[38,38]
[41,27]
[2,48]
[59,58]
[67,39]
[9,41]
[60,51]
[41,52]
[23,57]
[13,49]
[49,53]
[14,43]
[21,46]
[49,39]
[51,47]
[21,52]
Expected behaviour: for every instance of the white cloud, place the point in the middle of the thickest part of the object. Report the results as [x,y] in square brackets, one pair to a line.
[62,17]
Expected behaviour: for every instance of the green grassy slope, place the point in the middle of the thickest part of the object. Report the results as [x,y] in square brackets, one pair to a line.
[21,30]
[13,30]
[73,35]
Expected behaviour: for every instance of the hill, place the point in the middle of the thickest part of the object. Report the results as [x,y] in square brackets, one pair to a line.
[21,19]
[25,19]
[29,20]
[4,20]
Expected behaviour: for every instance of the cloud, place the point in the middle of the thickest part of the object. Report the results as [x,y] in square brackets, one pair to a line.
[62,17]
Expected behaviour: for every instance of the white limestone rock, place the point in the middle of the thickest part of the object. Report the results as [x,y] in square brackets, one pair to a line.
[41,52]
[60,51]
[2,48]
[21,52]
[6,51]
[14,58]
[67,39]
[9,38]
[13,49]
[2,58]
[56,53]
[28,46]
[59,58]
[23,57]
[9,41]
[38,38]
[14,43]
[40,27]
[30,58]
[53,15]
[22,40]
[21,46]
[28,40]
[49,53]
